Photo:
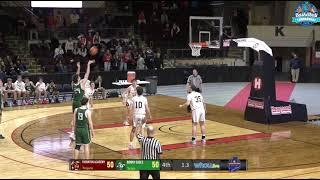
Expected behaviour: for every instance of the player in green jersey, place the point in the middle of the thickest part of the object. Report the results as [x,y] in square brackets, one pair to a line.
[78,86]
[83,128]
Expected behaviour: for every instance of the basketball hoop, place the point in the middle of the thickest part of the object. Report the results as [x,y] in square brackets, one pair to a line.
[196,48]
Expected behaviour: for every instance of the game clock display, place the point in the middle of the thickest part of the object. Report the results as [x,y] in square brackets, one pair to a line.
[231,165]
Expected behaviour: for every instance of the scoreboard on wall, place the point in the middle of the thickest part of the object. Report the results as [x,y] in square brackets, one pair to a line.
[233,164]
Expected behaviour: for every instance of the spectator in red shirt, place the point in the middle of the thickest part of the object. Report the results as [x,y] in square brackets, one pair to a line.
[82,40]
[89,40]
[124,61]
[107,58]
[141,18]
[50,21]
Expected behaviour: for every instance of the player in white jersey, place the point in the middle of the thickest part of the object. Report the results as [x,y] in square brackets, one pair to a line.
[128,94]
[89,92]
[139,109]
[20,88]
[198,108]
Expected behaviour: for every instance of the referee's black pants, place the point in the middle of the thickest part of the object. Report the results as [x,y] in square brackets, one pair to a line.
[145,174]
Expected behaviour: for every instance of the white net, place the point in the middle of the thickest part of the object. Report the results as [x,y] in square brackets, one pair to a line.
[196,48]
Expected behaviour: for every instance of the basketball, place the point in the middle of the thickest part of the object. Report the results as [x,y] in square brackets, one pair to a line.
[93,51]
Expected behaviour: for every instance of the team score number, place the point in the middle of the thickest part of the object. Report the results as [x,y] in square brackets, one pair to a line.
[155,164]
[138,104]
[198,99]
[110,164]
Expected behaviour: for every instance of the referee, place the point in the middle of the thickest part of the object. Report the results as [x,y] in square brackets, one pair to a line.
[195,80]
[150,149]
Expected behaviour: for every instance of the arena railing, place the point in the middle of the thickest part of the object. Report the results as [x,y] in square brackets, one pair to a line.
[65,33]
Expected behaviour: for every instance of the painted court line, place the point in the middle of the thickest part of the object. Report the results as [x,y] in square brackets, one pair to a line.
[160,120]
[209,142]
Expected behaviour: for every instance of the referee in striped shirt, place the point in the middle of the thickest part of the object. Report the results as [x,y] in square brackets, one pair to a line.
[150,149]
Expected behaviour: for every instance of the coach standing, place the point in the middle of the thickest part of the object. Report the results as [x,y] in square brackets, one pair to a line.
[150,149]
[195,80]
[295,65]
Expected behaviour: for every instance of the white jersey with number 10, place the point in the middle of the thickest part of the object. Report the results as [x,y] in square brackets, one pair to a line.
[139,105]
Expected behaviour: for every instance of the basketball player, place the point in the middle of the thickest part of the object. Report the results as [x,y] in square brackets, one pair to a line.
[20,88]
[139,108]
[89,92]
[83,128]
[129,93]
[195,100]
[41,89]
[30,89]
[9,89]
[78,86]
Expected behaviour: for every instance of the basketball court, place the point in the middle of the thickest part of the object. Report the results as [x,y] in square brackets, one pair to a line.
[37,141]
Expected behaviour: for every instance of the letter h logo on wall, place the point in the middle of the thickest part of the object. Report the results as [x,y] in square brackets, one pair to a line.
[257,83]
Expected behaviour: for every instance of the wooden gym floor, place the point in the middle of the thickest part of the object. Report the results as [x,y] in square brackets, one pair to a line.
[37,143]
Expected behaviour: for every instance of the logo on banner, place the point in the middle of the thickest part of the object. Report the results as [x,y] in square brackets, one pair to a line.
[234,164]
[257,83]
[255,104]
[281,110]
[306,14]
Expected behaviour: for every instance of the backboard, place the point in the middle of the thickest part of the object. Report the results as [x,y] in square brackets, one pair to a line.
[206,30]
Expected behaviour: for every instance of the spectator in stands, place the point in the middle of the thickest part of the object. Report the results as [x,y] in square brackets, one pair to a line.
[149,60]
[140,63]
[41,90]
[83,51]
[295,65]
[82,40]
[30,89]
[96,38]
[50,22]
[154,18]
[158,59]
[58,19]
[69,47]
[33,28]
[141,18]
[166,32]
[175,30]
[21,68]
[58,52]
[11,69]
[90,30]
[107,58]
[9,91]
[53,93]
[101,89]
[74,18]
[116,60]
[21,26]
[20,89]
[61,68]
[124,61]
[2,65]
[164,18]
[89,40]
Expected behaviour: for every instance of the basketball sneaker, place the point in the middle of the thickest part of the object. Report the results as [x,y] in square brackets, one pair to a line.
[71,136]
[193,142]
[126,123]
[130,145]
[1,137]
